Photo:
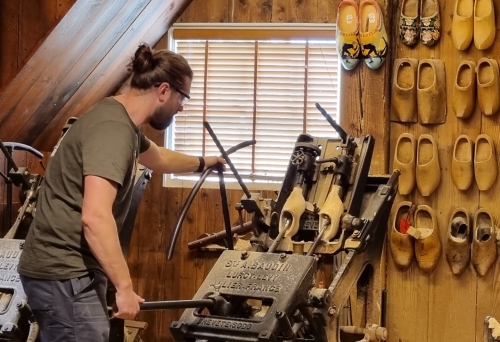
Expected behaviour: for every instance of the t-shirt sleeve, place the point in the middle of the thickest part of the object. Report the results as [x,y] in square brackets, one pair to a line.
[108,151]
[144,143]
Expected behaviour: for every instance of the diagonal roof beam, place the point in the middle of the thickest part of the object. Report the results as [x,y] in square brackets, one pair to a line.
[80,62]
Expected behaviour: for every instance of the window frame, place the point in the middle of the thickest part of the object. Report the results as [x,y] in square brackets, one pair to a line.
[245,31]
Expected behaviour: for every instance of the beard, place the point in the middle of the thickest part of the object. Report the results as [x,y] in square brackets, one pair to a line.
[161,119]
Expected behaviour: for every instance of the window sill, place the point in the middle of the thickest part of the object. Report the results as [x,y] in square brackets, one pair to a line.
[213,183]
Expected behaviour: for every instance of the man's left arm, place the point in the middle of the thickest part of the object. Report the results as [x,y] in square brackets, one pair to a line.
[163,160]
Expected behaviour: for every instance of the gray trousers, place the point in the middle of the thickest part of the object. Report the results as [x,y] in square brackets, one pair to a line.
[69,310]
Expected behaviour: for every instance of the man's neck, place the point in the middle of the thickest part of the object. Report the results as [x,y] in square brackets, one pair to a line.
[138,104]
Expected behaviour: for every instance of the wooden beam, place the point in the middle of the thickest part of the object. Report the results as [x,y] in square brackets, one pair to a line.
[90,33]
[53,46]
[42,94]
[9,39]
[109,73]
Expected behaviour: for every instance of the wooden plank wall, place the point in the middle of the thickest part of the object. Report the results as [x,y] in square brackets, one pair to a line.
[364,111]
[440,306]
[24,24]
[81,61]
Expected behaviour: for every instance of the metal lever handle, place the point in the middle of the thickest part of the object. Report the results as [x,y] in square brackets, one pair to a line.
[177,304]
[225,208]
[10,160]
[226,157]
[335,125]
[194,191]
[27,148]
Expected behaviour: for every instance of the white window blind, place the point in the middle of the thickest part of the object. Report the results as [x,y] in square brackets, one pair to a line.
[256,89]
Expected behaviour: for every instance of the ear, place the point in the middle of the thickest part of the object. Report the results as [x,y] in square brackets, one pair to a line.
[164,91]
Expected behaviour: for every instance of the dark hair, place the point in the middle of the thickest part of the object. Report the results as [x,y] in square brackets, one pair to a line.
[150,67]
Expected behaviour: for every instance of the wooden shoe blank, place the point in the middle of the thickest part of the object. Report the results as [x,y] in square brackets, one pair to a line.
[462,26]
[464,90]
[431,92]
[428,171]
[488,86]
[404,161]
[458,241]
[485,162]
[292,211]
[404,90]
[401,244]
[428,246]
[484,245]
[484,24]
[330,213]
[462,169]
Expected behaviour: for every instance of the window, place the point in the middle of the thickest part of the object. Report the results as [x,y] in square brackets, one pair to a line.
[255,84]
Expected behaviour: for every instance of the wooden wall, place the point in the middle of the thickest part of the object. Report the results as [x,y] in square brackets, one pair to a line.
[364,111]
[421,307]
[80,62]
[441,306]
[24,24]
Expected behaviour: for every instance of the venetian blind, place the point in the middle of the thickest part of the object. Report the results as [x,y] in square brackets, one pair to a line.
[257,89]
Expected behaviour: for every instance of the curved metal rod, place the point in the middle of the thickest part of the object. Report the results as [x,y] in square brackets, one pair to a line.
[24,147]
[193,193]
[226,157]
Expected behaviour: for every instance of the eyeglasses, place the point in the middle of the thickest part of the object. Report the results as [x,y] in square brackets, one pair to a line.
[185,97]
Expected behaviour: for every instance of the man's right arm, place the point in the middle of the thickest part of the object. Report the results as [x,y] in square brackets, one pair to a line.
[100,231]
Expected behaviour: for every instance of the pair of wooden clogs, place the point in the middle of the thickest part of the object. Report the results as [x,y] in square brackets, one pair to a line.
[473,19]
[479,82]
[418,162]
[474,160]
[418,89]
[465,242]
[425,246]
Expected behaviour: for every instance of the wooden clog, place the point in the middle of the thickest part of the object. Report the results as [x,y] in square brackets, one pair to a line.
[404,90]
[401,244]
[485,162]
[458,241]
[484,242]
[464,90]
[428,246]
[462,168]
[428,170]
[404,161]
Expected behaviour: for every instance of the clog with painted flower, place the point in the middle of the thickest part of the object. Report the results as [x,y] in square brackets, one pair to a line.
[430,22]
[348,45]
[408,22]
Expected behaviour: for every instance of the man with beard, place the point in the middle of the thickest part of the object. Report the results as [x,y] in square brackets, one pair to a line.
[72,247]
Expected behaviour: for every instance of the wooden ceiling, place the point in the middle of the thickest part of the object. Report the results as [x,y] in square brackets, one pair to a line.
[81,61]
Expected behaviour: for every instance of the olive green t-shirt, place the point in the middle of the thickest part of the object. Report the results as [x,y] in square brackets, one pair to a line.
[104,142]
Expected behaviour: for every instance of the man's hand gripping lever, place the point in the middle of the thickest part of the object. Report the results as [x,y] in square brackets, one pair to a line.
[127,304]
[204,175]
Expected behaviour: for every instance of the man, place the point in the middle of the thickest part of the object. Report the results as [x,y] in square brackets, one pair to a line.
[72,247]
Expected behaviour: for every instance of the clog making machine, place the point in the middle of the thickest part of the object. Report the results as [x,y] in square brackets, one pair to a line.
[328,210]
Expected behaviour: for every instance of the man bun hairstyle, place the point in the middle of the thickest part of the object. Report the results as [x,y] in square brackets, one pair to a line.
[150,68]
